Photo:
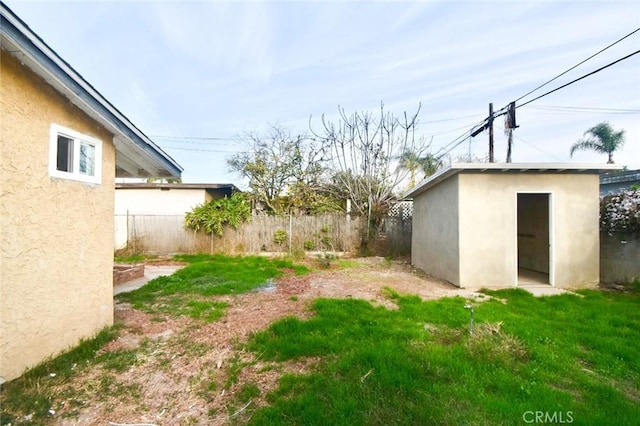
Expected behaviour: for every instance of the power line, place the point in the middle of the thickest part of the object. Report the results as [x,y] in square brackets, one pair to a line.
[580,78]
[577,65]
[449,119]
[586,109]
[202,142]
[192,139]
[203,150]
[456,129]
[535,147]
[454,143]
[196,138]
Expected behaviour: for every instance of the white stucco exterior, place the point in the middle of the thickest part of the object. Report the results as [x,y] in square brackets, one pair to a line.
[157,201]
[160,199]
[465,224]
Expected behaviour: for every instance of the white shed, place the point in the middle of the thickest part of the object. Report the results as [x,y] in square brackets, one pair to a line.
[503,225]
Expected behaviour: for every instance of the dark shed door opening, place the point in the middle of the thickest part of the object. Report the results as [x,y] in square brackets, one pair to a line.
[533,238]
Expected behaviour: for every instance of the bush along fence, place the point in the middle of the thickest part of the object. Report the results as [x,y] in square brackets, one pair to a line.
[620,237]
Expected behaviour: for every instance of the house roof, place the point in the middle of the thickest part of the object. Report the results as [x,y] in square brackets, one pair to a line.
[158,185]
[136,154]
[456,168]
[620,177]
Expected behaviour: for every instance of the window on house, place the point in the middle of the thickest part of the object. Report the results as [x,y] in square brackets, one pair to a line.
[74,156]
[65,154]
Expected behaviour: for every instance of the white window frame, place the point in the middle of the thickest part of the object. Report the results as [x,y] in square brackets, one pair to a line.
[78,140]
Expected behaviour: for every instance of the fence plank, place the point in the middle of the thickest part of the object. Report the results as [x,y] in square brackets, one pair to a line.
[165,234]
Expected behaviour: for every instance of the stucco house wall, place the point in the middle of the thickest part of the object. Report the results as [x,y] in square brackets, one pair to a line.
[61,146]
[57,246]
[465,223]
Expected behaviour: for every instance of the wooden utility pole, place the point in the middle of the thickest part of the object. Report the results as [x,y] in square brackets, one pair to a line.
[490,125]
[510,141]
[510,125]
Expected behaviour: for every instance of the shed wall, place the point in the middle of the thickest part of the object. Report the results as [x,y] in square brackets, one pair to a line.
[57,235]
[434,245]
[488,244]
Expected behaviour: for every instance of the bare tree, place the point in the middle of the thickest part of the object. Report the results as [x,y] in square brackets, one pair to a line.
[276,161]
[363,150]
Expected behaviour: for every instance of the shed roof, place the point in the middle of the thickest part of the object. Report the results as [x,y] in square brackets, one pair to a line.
[136,154]
[456,168]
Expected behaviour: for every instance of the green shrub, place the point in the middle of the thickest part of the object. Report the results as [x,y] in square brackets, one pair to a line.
[213,216]
[280,237]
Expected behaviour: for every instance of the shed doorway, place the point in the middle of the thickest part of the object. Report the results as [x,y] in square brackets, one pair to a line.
[534,238]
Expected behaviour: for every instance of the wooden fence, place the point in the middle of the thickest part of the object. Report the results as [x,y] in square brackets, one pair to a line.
[166,234]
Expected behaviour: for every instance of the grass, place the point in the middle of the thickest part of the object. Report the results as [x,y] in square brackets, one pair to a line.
[34,392]
[575,355]
[186,292]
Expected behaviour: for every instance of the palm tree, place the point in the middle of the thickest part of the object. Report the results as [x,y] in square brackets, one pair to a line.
[410,161]
[602,138]
[430,164]
[414,163]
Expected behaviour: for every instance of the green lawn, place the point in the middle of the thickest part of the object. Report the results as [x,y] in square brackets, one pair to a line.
[561,359]
[572,359]
[186,291]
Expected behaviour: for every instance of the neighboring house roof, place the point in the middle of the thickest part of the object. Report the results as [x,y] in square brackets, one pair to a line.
[456,168]
[206,186]
[136,154]
[215,190]
[617,181]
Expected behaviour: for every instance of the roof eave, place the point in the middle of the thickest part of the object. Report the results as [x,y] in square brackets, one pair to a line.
[162,185]
[140,156]
[456,168]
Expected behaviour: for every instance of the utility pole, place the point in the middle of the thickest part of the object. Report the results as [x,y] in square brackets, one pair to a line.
[510,125]
[490,125]
[510,141]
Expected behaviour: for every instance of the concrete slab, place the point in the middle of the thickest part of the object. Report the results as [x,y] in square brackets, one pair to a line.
[150,272]
[543,290]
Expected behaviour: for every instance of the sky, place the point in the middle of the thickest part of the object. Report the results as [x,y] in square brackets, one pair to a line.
[194,76]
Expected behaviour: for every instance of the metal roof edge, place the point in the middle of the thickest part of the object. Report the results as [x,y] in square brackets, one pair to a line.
[456,168]
[50,62]
[159,185]
[595,167]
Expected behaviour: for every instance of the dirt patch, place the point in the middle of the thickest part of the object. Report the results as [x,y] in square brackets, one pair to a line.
[189,372]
